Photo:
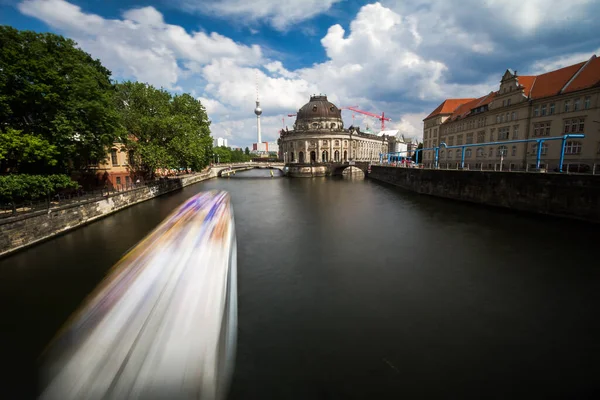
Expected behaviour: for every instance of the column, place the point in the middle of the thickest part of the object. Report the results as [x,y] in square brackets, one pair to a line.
[318,158]
[331,149]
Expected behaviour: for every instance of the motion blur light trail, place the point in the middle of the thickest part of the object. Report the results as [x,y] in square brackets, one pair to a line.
[163,323]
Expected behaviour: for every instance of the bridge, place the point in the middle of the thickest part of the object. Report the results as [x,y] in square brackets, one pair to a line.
[228,169]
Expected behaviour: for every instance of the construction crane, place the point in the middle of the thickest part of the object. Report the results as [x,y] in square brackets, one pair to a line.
[350,108]
[381,117]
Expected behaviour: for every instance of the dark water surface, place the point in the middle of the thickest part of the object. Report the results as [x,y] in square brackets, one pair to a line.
[355,290]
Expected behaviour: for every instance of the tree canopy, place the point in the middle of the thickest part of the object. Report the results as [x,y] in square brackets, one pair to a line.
[57,95]
[164,131]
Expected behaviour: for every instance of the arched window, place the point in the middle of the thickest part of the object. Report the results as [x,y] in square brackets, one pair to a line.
[313,157]
[480,152]
[468,153]
[301,157]
[337,142]
[336,156]
[292,157]
[332,126]
[450,154]
[324,156]
[345,156]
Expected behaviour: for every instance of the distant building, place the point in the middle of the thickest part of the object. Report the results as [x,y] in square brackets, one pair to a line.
[398,143]
[218,142]
[266,147]
[553,104]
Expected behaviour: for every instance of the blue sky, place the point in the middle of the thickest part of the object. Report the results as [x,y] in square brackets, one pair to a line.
[401,57]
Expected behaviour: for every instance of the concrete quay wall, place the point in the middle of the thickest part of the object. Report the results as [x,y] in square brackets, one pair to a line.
[565,195]
[25,230]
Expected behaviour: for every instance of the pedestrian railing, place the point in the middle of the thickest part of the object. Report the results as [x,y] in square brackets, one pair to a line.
[81,196]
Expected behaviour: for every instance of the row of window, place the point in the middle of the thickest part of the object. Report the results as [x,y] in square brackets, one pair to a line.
[541,110]
[501,118]
[572,147]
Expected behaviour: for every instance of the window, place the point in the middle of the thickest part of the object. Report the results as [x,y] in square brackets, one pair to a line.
[491,151]
[480,152]
[544,148]
[450,153]
[586,102]
[515,132]
[503,103]
[567,105]
[435,132]
[576,105]
[337,142]
[492,134]
[573,147]
[543,109]
[514,151]
[574,125]
[451,141]
[113,156]
[468,153]
[469,138]
[481,137]
[508,102]
[443,154]
[503,133]
[513,116]
[497,119]
[551,108]
[536,111]
[502,118]
[459,139]
[118,180]
[502,151]
[425,135]
[541,129]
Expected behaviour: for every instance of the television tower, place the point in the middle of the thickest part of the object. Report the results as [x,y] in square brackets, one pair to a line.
[257,111]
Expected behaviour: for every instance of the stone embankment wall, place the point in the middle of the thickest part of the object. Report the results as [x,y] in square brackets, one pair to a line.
[573,195]
[24,230]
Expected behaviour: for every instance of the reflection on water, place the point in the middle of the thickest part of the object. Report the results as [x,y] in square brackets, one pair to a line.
[352,289]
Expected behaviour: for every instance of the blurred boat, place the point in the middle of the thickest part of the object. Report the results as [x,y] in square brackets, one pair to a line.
[162,325]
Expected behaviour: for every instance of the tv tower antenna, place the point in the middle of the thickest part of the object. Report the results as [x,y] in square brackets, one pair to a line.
[257,110]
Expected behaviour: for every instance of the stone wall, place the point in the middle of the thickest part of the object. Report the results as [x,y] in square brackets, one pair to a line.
[24,230]
[573,195]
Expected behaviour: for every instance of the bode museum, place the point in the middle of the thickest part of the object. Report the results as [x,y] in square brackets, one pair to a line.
[319,145]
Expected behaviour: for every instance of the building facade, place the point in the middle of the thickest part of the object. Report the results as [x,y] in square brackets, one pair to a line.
[114,171]
[219,142]
[553,104]
[319,137]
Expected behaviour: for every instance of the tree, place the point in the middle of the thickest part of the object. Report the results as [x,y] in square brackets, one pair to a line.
[414,156]
[164,131]
[247,151]
[55,94]
[23,152]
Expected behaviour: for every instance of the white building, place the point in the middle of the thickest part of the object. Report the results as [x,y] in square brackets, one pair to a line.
[218,142]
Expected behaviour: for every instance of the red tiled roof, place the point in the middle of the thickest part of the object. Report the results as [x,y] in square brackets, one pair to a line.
[551,83]
[588,77]
[448,107]
[527,82]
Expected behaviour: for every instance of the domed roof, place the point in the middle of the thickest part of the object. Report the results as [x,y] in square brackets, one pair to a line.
[318,107]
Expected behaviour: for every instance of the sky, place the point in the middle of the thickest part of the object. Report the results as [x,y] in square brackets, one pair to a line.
[399,57]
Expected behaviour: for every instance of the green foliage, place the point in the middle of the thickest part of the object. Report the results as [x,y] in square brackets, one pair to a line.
[227,155]
[22,187]
[165,131]
[20,152]
[56,94]
[247,151]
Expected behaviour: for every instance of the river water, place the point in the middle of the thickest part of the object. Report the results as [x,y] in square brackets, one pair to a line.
[350,289]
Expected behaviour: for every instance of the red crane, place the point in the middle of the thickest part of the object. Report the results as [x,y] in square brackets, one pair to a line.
[381,117]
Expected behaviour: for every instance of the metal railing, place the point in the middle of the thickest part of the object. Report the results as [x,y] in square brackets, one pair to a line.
[81,196]
[540,164]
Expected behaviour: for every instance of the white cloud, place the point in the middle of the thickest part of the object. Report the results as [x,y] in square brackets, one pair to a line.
[141,45]
[554,63]
[388,59]
[280,14]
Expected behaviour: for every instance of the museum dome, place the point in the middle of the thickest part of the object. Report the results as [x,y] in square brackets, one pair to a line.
[319,113]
